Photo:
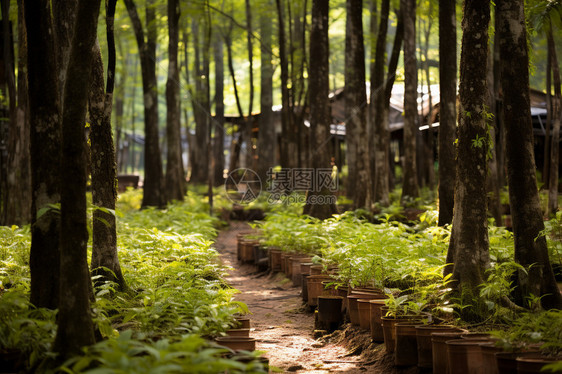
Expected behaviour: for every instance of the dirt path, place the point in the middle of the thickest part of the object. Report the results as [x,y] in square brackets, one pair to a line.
[280,324]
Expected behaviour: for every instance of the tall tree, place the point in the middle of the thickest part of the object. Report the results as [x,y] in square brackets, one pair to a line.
[175,182]
[356,107]
[468,247]
[105,261]
[152,187]
[45,143]
[410,183]
[17,202]
[248,127]
[447,108]
[266,133]
[320,197]
[219,121]
[556,113]
[530,245]
[75,327]
[381,134]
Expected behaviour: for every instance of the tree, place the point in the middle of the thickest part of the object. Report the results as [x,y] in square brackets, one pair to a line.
[530,244]
[447,108]
[355,107]
[75,327]
[410,183]
[468,247]
[105,261]
[219,122]
[556,113]
[175,188]
[45,143]
[266,133]
[152,187]
[381,134]
[320,199]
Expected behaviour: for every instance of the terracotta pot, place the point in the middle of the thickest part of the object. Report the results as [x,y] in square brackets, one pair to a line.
[488,351]
[476,335]
[284,256]
[244,332]
[533,364]
[364,313]
[237,343]
[375,319]
[342,291]
[389,330]
[329,312]
[296,274]
[316,269]
[406,346]
[423,338]
[439,350]
[247,251]
[305,267]
[304,289]
[315,288]
[329,287]
[275,259]
[507,361]
[352,307]
[243,322]
[465,356]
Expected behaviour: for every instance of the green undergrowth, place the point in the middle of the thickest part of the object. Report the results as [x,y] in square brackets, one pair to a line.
[176,299]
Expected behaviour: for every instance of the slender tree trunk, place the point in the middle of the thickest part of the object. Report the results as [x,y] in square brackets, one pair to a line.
[175,188]
[371,124]
[356,107]
[410,183]
[75,327]
[248,133]
[468,248]
[381,133]
[556,109]
[447,109]
[45,142]
[530,245]
[219,122]
[153,191]
[266,134]
[17,208]
[320,197]
[104,167]
[548,125]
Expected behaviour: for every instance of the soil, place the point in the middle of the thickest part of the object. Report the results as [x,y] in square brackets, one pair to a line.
[284,328]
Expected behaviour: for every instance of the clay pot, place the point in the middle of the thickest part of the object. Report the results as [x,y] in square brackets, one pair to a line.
[316,269]
[352,307]
[423,338]
[284,256]
[330,312]
[296,274]
[304,289]
[465,356]
[247,251]
[533,364]
[439,350]
[275,259]
[488,352]
[476,335]
[329,287]
[237,343]
[315,288]
[389,330]
[305,267]
[244,332]
[364,313]
[243,322]
[507,361]
[406,346]
[375,311]
[342,291]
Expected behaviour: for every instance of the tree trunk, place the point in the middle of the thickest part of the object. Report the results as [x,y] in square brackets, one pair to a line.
[152,188]
[447,109]
[18,202]
[219,122]
[468,248]
[266,133]
[104,168]
[75,327]
[175,188]
[320,202]
[548,125]
[248,133]
[530,244]
[410,183]
[556,110]
[45,143]
[356,107]
[380,123]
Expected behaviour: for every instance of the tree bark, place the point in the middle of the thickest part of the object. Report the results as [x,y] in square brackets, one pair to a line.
[105,261]
[356,107]
[556,110]
[248,133]
[266,133]
[468,248]
[380,123]
[152,188]
[17,208]
[175,188]
[530,245]
[320,202]
[219,122]
[75,327]
[45,142]
[447,109]
[410,183]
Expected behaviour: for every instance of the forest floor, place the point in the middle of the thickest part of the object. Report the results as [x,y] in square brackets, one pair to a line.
[284,329]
